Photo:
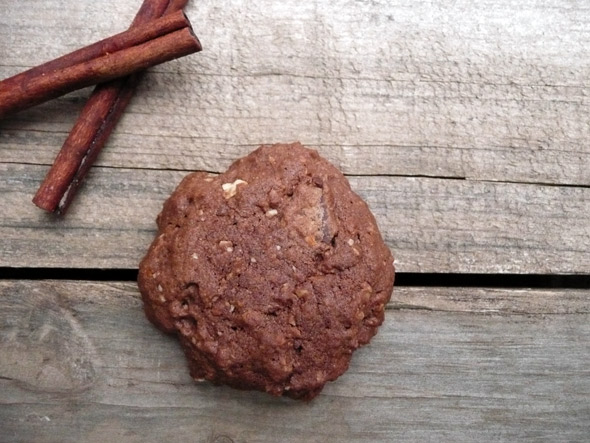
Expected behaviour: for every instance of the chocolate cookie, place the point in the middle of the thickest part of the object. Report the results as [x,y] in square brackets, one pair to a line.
[271,273]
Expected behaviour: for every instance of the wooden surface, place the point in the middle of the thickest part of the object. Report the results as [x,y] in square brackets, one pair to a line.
[433,225]
[449,364]
[464,124]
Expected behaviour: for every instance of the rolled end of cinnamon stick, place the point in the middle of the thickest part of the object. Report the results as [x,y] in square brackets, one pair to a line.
[58,181]
[197,42]
[47,198]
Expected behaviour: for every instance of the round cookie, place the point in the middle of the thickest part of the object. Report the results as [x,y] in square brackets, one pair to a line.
[271,273]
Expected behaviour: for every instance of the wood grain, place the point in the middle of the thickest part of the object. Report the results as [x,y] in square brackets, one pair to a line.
[81,363]
[432,225]
[465,125]
[442,89]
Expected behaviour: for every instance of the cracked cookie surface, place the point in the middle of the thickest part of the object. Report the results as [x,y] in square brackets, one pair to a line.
[271,273]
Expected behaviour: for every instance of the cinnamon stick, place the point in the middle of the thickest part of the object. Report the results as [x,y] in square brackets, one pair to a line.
[96,122]
[152,9]
[132,55]
[94,125]
[131,37]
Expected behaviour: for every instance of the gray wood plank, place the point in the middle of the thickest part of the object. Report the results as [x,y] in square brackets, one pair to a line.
[79,362]
[432,225]
[445,89]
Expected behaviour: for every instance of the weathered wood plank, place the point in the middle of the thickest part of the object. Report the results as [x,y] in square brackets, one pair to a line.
[79,362]
[493,91]
[432,225]
[443,89]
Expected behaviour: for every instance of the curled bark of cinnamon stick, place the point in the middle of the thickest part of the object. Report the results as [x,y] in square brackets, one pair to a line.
[94,125]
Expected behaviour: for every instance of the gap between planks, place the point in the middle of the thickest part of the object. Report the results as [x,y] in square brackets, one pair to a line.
[402,279]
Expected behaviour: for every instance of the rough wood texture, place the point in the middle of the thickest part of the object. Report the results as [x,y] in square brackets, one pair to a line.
[432,225]
[409,93]
[466,126]
[81,363]
[455,88]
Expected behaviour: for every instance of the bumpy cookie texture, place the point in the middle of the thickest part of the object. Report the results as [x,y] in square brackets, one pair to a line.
[271,273]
